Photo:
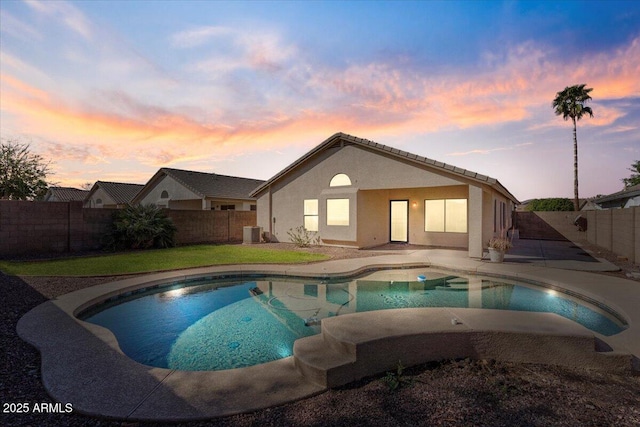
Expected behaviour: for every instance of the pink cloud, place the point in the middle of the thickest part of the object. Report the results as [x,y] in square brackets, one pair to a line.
[307,103]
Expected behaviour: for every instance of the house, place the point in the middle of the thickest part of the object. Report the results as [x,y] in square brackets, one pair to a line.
[627,198]
[105,194]
[590,205]
[189,190]
[65,194]
[358,193]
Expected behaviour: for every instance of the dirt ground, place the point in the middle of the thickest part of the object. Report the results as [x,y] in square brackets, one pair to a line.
[447,393]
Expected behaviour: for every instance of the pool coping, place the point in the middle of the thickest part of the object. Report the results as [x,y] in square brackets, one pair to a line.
[82,363]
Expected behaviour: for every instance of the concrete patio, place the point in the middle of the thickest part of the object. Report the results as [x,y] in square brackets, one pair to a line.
[82,363]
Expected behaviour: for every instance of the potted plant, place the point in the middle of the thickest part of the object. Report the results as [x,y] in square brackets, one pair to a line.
[498,246]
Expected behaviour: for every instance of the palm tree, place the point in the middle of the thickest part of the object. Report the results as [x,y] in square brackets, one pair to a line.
[570,103]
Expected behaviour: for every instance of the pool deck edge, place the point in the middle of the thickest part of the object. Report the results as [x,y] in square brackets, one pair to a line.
[83,365]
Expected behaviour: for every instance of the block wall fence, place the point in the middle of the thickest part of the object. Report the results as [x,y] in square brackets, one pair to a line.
[42,227]
[617,230]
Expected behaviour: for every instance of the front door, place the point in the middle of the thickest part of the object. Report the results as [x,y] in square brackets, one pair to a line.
[399,221]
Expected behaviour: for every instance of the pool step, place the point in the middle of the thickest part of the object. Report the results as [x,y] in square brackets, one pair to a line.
[320,363]
[357,345]
[462,284]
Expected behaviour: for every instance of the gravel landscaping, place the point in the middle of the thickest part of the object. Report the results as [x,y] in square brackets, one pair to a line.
[449,393]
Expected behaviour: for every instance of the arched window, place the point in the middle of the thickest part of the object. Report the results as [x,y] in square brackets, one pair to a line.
[164,195]
[98,201]
[340,180]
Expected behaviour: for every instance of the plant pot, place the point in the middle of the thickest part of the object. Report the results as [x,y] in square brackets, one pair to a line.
[496,255]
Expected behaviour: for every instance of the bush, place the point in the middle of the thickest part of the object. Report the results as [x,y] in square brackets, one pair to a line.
[140,227]
[553,204]
[303,237]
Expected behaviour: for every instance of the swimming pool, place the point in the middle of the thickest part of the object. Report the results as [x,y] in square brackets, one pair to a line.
[225,324]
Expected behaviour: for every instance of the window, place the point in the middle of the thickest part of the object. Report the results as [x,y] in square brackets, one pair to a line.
[311,214]
[98,201]
[455,216]
[434,215]
[445,215]
[227,207]
[504,215]
[499,215]
[253,208]
[340,180]
[164,195]
[337,211]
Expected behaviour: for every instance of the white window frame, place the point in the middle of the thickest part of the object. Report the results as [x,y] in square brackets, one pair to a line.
[442,222]
[338,212]
[340,180]
[310,211]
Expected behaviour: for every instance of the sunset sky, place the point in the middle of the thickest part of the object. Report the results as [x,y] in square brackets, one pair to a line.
[114,90]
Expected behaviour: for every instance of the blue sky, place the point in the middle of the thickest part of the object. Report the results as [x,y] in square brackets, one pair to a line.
[114,90]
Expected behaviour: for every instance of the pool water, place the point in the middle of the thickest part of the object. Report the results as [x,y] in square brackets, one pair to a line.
[219,325]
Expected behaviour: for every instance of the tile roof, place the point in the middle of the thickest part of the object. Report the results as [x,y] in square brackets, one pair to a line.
[66,194]
[349,139]
[213,185]
[620,195]
[120,192]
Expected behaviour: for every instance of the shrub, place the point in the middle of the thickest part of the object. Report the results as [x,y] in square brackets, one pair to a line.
[397,379]
[303,237]
[140,227]
[552,204]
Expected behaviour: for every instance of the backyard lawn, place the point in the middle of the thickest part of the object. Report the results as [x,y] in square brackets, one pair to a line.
[157,260]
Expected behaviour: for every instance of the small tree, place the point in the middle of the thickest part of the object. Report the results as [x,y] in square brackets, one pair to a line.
[22,174]
[634,179]
[140,227]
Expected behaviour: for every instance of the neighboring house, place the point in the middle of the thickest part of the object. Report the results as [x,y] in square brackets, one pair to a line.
[590,205]
[105,194]
[358,193]
[189,190]
[65,194]
[524,205]
[627,198]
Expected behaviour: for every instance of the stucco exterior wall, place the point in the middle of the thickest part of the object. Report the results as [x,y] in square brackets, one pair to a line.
[100,194]
[376,180]
[373,217]
[181,198]
[176,192]
[475,233]
[487,217]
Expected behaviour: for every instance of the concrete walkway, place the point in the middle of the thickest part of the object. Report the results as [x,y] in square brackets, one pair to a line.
[82,363]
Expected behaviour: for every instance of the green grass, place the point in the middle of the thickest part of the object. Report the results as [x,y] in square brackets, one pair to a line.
[156,260]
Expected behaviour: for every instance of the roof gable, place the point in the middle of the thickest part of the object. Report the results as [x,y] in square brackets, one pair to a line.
[66,194]
[205,185]
[120,192]
[341,139]
[622,196]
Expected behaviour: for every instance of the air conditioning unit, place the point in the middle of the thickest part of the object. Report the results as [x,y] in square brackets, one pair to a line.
[251,235]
